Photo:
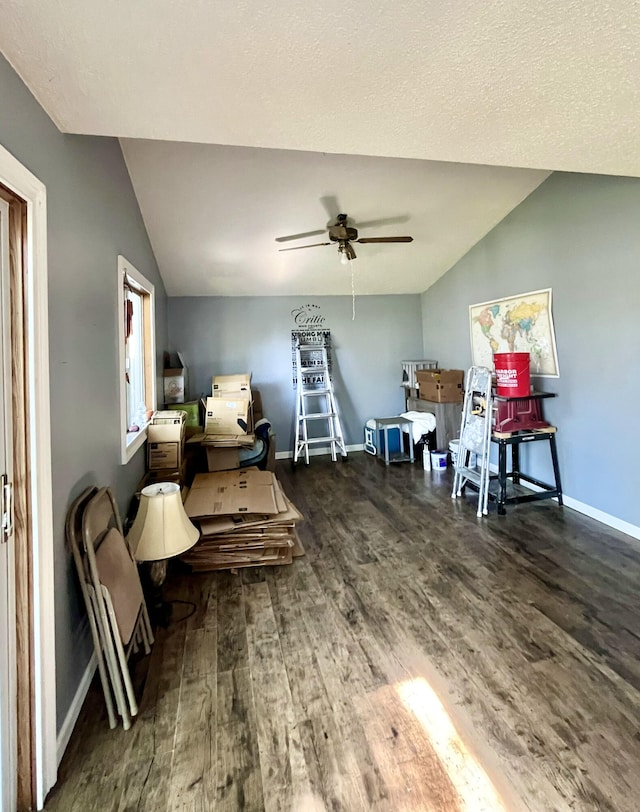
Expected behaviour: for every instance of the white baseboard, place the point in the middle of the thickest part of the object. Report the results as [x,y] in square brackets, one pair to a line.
[76,706]
[601,516]
[593,513]
[317,452]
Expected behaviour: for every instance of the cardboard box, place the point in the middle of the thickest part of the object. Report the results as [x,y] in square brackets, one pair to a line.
[165,440]
[229,498]
[175,379]
[442,393]
[229,394]
[227,416]
[245,477]
[440,385]
[235,387]
[223,440]
[222,459]
[233,396]
[167,427]
[164,455]
[169,417]
[178,476]
[455,376]
[231,383]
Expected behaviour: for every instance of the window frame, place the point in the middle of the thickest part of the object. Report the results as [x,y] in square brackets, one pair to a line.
[130,442]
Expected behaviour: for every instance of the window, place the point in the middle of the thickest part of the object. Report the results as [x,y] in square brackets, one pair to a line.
[136,332]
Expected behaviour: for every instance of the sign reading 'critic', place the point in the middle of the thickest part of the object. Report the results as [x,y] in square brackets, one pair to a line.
[308,316]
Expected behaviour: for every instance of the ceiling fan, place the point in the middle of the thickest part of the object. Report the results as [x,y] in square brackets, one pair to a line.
[342,234]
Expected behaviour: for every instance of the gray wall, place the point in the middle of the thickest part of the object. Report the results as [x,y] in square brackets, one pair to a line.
[579,235]
[222,336]
[92,217]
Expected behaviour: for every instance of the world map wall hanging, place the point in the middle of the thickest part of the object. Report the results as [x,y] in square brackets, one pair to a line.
[521,323]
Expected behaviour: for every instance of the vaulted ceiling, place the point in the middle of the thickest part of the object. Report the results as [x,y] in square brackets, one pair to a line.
[247,121]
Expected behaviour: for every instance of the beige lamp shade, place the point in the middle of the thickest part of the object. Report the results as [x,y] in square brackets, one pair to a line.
[161,529]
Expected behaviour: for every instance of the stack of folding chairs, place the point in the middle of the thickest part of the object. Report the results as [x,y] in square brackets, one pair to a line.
[113,596]
[475,437]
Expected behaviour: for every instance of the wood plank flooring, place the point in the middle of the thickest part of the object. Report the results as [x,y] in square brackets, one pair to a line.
[417,658]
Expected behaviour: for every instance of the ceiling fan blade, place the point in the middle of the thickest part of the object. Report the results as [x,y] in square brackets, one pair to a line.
[385,239]
[298,247]
[331,206]
[302,236]
[384,221]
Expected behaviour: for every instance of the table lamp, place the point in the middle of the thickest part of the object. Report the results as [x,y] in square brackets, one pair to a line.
[161,530]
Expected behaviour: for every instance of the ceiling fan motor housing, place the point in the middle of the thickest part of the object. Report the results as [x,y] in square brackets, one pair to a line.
[338,233]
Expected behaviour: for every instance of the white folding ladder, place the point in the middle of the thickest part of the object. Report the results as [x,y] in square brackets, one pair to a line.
[475,437]
[316,403]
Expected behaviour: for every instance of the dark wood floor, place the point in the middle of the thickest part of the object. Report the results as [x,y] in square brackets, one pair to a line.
[417,658]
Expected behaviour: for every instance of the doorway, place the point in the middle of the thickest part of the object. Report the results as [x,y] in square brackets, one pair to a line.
[27,650]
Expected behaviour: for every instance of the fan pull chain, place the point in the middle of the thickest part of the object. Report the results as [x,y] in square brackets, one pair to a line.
[353,294]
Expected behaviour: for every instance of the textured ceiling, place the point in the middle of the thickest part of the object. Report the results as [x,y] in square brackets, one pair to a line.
[525,83]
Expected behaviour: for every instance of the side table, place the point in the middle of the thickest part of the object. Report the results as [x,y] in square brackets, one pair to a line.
[514,440]
[403,425]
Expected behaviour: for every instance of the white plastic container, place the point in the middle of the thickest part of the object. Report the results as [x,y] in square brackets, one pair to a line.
[426,458]
[439,460]
[453,448]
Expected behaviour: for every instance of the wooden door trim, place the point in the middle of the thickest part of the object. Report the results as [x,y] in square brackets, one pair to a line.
[22,578]
[9,680]
[19,180]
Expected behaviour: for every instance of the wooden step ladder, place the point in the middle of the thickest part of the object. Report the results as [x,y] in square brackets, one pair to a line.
[316,403]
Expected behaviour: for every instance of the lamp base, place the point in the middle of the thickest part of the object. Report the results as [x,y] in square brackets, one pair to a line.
[160,613]
[159,610]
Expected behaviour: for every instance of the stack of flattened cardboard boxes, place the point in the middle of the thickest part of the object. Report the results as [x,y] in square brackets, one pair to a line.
[165,446]
[245,519]
[228,421]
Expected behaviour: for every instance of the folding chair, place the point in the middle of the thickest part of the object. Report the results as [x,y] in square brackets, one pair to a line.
[121,609]
[73,530]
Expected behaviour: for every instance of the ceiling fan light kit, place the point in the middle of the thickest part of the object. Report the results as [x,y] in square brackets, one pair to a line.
[345,249]
[344,235]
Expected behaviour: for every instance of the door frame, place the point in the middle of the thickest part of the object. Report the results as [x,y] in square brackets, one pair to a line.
[24,184]
[8,658]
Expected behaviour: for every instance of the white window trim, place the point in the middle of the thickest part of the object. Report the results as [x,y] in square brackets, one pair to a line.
[131,442]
